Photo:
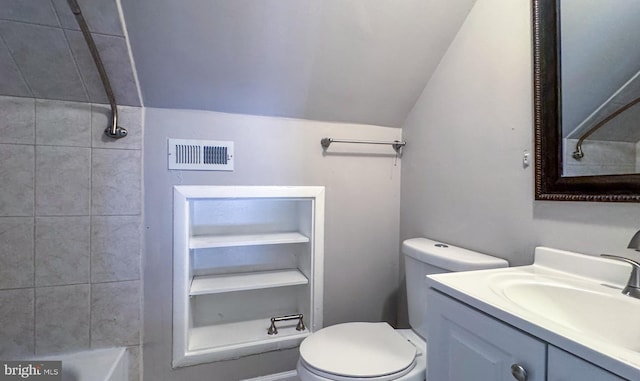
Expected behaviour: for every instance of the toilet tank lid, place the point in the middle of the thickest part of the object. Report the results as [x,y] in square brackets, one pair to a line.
[449,257]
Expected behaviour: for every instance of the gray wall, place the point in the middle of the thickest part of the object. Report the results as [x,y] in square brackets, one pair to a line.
[69,252]
[463,181]
[361,220]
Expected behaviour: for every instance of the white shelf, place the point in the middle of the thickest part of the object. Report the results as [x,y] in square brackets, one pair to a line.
[212,241]
[224,230]
[213,284]
[242,332]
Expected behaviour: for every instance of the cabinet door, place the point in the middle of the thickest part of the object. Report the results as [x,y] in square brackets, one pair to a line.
[564,366]
[465,344]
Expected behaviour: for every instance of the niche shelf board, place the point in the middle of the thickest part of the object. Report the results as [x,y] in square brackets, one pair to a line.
[238,339]
[212,241]
[250,331]
[213,284]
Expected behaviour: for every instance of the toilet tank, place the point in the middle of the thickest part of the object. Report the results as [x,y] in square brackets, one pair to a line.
[424,257]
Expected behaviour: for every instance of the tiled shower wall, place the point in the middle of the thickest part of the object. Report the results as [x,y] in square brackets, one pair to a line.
[70,220]
[43,54]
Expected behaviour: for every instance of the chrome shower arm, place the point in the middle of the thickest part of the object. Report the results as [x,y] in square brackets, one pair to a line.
[113,131]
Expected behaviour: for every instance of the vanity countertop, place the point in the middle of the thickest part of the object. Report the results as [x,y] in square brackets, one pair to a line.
[572,301]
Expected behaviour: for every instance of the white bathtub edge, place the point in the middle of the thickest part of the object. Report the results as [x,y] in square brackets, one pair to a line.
[291,375]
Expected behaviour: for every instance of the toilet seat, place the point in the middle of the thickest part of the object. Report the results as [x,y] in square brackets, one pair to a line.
[313,374]
[357,351]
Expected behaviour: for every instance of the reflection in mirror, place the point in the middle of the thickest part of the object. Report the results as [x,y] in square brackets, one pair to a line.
[600,82]
[591,104]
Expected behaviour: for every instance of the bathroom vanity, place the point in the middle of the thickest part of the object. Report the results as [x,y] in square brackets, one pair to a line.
[561,319]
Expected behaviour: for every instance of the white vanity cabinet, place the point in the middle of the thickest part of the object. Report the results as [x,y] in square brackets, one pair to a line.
[467,344]
[244,255]
[464,344]
[563,366]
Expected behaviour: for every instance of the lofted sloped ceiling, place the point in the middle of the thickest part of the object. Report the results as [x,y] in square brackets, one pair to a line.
[357,61]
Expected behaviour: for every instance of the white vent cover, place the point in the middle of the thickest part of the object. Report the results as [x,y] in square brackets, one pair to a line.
[200,155]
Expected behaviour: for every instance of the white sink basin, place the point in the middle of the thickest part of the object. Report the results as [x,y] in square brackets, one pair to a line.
[572,300]
[604,313]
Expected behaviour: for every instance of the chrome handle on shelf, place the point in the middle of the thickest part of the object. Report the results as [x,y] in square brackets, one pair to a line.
[519,372]
[273,330]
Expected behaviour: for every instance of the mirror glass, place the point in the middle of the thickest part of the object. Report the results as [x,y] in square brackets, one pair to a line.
[586,69]
[599,43]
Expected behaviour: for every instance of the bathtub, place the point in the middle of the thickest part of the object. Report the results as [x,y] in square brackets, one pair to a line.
[95,365]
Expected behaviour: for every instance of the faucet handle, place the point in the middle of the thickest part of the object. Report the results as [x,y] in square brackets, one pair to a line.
[633,284]
[633,263]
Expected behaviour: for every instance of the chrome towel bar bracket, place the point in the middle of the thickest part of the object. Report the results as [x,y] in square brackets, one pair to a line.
[273,330]
[396,144]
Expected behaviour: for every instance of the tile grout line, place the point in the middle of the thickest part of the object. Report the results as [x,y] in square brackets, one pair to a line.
[35,167]
[73,56]
[60,26]
[24,80]
[77,66]
[91,226]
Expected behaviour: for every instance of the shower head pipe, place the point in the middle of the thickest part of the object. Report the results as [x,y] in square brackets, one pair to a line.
[113,131]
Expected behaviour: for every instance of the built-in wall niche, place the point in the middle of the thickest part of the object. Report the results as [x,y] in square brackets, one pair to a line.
[243,255]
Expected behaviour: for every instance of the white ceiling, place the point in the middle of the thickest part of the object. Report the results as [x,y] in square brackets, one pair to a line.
[358,61]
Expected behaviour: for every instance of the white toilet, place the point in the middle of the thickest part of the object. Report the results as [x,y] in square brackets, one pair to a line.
[376,351]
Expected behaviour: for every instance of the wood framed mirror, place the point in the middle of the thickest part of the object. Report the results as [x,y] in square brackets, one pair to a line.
[553,150]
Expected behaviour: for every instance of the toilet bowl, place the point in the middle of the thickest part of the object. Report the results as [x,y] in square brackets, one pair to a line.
[361,351]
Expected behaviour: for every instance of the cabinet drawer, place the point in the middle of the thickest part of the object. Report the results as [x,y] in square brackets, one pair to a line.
[563,366]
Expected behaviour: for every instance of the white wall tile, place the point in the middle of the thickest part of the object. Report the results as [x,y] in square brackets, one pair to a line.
[29,11]
[36,58]
[115,248]
[115,314]
[63,123]
[115,59]
[17,174]
[62,318]
[17,120]
[16,252]
[116,182]
[16,315]
[52,181]
[62,250]
[11,82]
[30,45]
[101,15]
[63,181]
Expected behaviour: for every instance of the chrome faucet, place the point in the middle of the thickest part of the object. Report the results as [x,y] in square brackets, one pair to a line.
[633,284]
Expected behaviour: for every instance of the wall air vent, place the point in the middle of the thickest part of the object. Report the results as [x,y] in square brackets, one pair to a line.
[200,155]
